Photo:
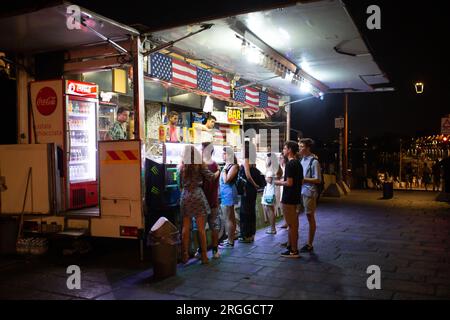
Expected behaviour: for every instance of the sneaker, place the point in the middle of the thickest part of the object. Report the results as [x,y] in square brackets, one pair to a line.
[245,239]
[198,254]
[216,254]
[226,244]
[290,254]
[307,248]
[270,231]
[284,226]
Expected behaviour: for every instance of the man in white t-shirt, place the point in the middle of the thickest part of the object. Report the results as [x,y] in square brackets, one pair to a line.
[310,189]
[208,129]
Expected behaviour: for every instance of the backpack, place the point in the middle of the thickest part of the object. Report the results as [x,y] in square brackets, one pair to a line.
[241,181]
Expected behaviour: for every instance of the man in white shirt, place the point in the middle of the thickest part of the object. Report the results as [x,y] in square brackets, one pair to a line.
[310,190]
[208,129]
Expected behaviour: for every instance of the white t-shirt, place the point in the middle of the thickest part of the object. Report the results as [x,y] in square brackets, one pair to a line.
[207,135]
[269,190]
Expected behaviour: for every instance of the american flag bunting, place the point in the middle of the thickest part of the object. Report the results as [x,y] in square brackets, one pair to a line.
[268,103]
[184,74]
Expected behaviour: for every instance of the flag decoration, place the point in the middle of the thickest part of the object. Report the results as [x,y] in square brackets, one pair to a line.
[184,74]
[239,94]
[268,103]
[220,86]
[252,96]
[204,80]
[161,67]
[179,72]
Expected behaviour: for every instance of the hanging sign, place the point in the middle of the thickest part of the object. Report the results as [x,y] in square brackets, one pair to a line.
[82,89]
[234,116]
[339,123]
[445,126]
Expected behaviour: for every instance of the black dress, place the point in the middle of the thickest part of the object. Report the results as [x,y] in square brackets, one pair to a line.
[248,204]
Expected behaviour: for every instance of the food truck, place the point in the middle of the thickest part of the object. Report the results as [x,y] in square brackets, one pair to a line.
[246,70]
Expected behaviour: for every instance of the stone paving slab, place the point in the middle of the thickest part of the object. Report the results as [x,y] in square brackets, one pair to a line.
[408,237]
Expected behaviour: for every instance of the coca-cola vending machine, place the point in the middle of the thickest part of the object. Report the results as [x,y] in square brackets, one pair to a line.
[64,112]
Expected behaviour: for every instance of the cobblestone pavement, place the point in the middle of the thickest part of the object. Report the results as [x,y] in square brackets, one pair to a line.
[408,237]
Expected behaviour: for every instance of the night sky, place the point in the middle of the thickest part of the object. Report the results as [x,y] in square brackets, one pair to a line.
[408,48]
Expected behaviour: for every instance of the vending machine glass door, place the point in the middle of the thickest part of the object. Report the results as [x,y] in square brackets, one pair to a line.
[82,139]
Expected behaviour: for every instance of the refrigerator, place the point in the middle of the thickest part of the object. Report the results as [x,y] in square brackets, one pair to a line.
[81,100]
[64,113]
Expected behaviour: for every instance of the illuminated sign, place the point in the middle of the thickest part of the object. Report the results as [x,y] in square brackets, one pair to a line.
[234,116]
[83,89]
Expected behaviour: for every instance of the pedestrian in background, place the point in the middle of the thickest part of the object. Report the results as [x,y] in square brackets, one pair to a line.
[436,170]
[426,176]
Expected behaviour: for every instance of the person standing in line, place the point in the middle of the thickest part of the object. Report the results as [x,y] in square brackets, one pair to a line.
[279,189]
[293,178]
[310,188]
[268,201]
[248,199]
[228,194]
[211,190]
[193,202]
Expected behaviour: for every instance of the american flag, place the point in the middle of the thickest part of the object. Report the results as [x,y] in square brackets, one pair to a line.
[252,96]
[183,73]
[268,103]
[204,80]
[161,67]
[220,86]
[239,94]
[208,82]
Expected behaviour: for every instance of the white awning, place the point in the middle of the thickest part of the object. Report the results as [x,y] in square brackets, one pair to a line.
[46,30]
[319,37]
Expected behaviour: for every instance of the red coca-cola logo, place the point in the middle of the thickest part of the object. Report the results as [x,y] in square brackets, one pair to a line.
[46,101]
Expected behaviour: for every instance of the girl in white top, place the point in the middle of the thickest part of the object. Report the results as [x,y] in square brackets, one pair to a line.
[268,201]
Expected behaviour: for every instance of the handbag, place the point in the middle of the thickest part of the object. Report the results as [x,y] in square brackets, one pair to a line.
[269,199]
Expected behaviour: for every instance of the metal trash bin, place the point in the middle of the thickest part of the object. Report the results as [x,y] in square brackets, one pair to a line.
[163,240]
[388,190]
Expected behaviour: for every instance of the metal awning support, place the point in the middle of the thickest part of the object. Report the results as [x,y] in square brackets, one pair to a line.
[114,44]
[255,82]
[203,27]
